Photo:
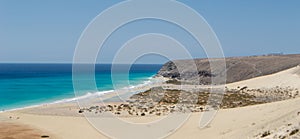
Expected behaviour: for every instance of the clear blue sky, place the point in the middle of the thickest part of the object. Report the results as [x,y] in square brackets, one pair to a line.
[47,31]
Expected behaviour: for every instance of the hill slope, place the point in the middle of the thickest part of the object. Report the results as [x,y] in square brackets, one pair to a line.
[237,68]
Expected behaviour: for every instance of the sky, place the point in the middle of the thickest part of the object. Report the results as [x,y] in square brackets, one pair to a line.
[35,31]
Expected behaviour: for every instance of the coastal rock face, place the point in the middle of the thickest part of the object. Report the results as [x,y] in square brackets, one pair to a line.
[237,69]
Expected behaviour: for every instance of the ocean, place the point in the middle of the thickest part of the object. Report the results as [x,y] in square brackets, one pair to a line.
[24,85]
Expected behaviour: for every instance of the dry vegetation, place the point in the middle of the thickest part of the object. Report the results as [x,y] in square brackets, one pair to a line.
[159,101]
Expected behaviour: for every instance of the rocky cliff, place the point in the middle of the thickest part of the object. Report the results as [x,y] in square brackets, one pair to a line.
[237,68]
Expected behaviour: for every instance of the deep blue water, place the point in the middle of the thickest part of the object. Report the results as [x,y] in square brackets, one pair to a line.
[24,85]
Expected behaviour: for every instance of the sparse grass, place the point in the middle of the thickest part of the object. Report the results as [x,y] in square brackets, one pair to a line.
[230,99]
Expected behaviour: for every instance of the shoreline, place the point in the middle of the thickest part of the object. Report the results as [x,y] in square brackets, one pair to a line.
[58,119]
[106,94]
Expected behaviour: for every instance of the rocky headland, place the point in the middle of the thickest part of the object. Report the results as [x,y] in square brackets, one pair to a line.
[237,68]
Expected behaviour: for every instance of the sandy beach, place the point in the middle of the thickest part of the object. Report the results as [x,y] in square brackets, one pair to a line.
[273,120]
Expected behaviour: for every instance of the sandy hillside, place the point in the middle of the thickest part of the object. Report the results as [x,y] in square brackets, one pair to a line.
[286,78]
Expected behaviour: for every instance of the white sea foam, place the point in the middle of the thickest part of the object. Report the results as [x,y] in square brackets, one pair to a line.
[87,95]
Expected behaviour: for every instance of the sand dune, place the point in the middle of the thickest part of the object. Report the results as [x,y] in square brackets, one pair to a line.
[286,78]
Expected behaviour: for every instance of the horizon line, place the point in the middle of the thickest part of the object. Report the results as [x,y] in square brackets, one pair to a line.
[81,63]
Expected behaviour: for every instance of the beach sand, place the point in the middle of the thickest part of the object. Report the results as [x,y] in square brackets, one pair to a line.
[62,121]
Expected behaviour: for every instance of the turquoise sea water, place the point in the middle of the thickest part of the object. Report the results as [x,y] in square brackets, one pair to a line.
[23,85]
